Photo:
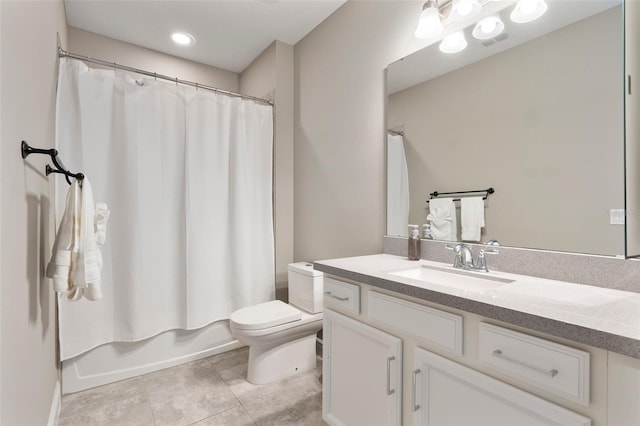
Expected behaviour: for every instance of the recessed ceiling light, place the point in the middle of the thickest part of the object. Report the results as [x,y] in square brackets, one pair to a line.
[183,38]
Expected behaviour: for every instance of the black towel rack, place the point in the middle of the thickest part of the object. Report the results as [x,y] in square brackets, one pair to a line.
[53,153]
[436,194]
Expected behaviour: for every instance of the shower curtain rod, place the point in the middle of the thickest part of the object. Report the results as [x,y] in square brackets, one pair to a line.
[64,54]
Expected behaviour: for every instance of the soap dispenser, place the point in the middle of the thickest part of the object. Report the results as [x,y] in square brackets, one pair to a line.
[426,232]
[414,243]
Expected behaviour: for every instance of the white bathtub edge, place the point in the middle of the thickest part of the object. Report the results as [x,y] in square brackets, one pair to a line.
[74,381]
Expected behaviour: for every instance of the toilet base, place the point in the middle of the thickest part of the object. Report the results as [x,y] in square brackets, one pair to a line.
[271,363]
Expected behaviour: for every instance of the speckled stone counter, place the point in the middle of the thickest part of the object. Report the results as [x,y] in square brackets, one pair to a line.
[600,317]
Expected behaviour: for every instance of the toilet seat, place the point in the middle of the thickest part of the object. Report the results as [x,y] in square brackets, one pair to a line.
[264,315]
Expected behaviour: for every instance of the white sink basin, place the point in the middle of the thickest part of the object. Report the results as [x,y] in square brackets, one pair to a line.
[449,277]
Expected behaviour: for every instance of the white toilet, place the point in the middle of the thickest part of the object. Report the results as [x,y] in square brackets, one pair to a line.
[282,337]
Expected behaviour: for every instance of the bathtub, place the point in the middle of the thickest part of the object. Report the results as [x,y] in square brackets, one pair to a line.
[118,361]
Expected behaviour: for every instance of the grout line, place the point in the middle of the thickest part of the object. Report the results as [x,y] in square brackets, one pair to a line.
[247,411]
[153,416]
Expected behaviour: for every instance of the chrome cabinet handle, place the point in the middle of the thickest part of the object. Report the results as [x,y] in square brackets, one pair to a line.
[416,407]
[389,390]
[498,353]
[342,299]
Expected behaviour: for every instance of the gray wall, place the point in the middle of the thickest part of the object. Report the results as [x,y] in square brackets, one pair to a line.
[542,123]
[340,126]
[28,365]
[270,75]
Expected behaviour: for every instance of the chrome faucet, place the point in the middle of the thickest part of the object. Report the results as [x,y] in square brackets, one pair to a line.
[464,256]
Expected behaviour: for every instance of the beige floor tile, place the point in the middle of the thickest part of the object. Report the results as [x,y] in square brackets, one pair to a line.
[234,417]
[230,359]
[304,412]
[208,392]
[188,393]
[134,411]
[296,400]
[200,371]
[101,397]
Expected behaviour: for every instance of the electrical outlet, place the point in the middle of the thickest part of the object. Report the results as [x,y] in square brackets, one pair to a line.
[616,216]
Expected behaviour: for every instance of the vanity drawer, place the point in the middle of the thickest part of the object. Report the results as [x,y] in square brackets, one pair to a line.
[429,325]
[550,366]
[341,295]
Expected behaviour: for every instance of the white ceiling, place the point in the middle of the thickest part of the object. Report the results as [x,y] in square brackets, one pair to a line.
[229,34]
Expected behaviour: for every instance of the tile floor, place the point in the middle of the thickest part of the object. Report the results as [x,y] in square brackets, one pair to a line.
[209,392]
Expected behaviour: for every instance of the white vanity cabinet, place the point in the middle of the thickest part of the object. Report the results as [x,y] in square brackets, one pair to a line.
[362,373]
[389,360]
[447,393]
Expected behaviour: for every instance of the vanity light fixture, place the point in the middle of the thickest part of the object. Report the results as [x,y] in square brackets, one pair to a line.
[432,20]
[528,10]
[488,27]
[182,39]
[453,43]
[429,23]
[464,9]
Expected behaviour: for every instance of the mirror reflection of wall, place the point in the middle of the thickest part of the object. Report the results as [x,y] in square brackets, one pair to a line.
[542,123]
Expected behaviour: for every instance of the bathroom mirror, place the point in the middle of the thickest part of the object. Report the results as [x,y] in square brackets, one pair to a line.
[538,115]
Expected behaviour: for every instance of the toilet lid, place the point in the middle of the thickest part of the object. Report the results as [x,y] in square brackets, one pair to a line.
[265,315]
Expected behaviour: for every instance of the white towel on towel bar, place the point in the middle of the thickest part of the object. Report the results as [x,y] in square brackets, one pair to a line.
[59,267]
[471,217]
[442,216]
[76,261]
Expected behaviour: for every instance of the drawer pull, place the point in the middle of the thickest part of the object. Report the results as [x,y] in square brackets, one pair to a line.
[416,407]
[342,299]
[498,353]
[389,390]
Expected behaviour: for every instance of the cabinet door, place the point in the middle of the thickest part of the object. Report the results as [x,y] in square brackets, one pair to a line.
[447,393]
[362,373]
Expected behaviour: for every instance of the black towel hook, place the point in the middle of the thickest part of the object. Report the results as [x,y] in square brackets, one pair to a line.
[27,150]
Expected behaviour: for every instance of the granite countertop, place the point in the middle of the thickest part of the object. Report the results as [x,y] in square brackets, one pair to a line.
[596,316]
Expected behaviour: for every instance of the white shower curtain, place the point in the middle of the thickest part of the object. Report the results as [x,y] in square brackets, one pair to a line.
[187,175]
[397,187]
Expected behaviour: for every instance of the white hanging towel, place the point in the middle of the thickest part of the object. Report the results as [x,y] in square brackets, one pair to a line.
[76,261]
[442,217]
[471,217]
[65,244]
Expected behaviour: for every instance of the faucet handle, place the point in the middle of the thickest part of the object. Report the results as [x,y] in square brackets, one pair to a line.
[489,247]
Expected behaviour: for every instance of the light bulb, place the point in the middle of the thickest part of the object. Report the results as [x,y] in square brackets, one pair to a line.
[528,6]
[464,7]
[453,43]
[528,10]
[182,38]
[429,24]
[488,27]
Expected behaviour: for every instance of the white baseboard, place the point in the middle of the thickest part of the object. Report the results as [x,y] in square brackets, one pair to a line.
[56,405]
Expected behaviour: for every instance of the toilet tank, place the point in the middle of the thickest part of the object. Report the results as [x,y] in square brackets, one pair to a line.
[305,287]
